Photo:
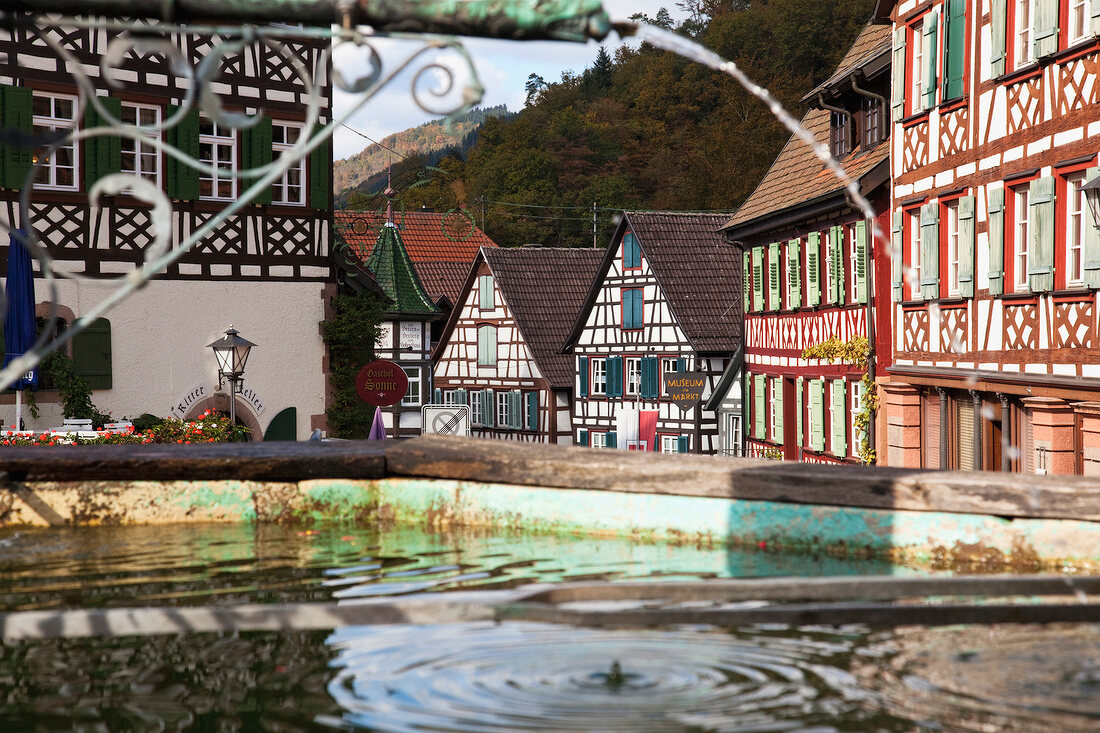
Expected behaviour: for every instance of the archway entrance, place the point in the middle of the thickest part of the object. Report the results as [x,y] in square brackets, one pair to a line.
[219,402]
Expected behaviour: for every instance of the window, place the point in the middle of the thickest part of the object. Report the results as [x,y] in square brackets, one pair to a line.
[670,365]
[732,445]
[1077,218]
[872,122]
[217,147]
[475,408]
[485,295]
[449,397]
[599,440]
[788,272]
[1019,237]
[486,345]
[1023,25]
[502,410]
[633,375]
[412,394]
[632,252]
[140,157]
[856,433]
[1079,20]
[833,418]
[826,240]
[774,385]
[916,86]
[57,166]
[289,189]
[632,309]
[670,443]
[853,258]
[839,135]
[811,413]
[599,376]
[952,223]
[912,222]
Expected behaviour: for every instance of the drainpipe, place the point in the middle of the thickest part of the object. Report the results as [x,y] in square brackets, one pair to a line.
[881,100]
[870,275]
[839,110]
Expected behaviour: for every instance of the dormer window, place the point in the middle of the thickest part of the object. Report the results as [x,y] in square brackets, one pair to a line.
[840,135]
[872,122]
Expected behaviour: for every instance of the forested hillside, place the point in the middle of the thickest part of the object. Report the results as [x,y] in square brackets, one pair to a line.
[646,129]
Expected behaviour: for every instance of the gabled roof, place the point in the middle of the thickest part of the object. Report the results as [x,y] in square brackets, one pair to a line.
[872,45]
[544,288]
[396,275]
[426,241]
[698,272]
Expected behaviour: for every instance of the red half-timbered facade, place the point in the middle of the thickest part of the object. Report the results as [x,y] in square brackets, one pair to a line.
[666,299]
[996,122]
[809,263]
[500,352]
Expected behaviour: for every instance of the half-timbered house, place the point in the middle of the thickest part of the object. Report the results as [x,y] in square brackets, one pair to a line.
[808,265]
[266,269]
[500,352]
[665,299]
[996,121]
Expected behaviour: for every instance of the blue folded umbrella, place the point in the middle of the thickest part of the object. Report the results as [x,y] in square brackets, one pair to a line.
[20,332]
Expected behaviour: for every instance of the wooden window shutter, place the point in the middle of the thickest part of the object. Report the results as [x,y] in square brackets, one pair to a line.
[1045,41]
[681,364]
[532,410]
[758,405]
[998,15]
[774,301]
[92,354]
[798,387]
[817,415]
[488,408]
[485,292]
[836,287]
[682,444]
[898,85]
[582,437]
[460,396]
[758,279]
[897,258]
[931,28]
[965,422]
[512,410]
[611,439]
[18,115]
[996,198]
[966,246]
[813,269]
[651,388]
[861,261]
[777,382]
[582,376]
[437,397]
[930,430]
[954,48]
[746,280]
[1040,260]
[794,272]
[171,165]
[320,174]
[614,376]
[182,181]
[256,142]
[1090,246]
[840,415]
[90,146]
[930,251]
[102,154]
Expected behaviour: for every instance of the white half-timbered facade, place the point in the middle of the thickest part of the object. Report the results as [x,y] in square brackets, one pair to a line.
[266,270]
[996,129]
[666,299]
[808,260]
[500,350]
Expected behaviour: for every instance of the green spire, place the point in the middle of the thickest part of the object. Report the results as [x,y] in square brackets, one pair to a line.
[390,264]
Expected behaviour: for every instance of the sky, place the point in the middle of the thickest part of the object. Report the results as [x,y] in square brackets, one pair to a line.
[503,67]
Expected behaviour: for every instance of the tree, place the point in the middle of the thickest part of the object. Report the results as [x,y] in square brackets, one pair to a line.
[534,85]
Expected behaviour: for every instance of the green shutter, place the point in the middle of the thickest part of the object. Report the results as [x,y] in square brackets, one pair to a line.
[840,413]
[966,246]
[488,408]
[817,415]
[861,261]
[931,27]
[512,410]
[954,48]
[1045,41]
[897,256]
[283,427]
[930,251]
[1090,246]
[320,175]
[813,269]
[836,287]
[794,272]
[681,364]
[485,297]
[437,396]
[582,371]
[186,139]
[18,116]
[256,147]
[998,14]
[90,146]
[682,445]
[460,396]
[746,280]
[171,165]
[92,354]
[1040,257]
[774,301]
[107,150]
[758,405]
[799,384]
[996,198]
[532,410]
[651,388]
[636,303]
[758,279]
[898,106]
[777,383]
[612,440]
[614,376]
[582,437]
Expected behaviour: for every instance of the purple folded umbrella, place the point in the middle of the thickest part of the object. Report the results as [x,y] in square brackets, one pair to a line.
[377,428]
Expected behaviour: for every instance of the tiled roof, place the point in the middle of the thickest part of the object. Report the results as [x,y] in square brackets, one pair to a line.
[545,288]
[797,176]
[873,41]
[699,273]
[396,275]
[425,240]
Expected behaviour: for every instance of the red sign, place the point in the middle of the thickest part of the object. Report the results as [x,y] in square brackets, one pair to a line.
[381,383]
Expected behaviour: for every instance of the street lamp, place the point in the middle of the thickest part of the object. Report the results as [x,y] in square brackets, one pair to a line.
[1091,189]
[231,351]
